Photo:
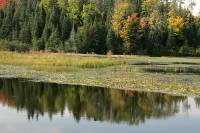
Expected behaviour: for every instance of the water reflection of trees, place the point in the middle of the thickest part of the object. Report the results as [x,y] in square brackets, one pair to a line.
[92,103]
[197,101]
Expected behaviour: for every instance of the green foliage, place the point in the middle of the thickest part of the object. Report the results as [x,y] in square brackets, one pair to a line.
[65,25]
[38,44]
[25,33]
[54,42]
[198,37]
[73,9]
[187,51]
[92,38]
[113,43]
[14,46]
[6,16]
[70,45]
[38,22]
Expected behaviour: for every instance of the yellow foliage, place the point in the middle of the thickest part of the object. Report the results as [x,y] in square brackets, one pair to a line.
[88,9]
[45,3]
[62,3]
[151,5]
[119,12]
[175,23]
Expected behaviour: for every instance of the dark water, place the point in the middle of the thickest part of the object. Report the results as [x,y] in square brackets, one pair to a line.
[51,108]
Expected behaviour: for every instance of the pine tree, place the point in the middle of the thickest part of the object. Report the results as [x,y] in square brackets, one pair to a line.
[198,37]
[38,27]
[54,15]
[71,46]
[99,43]
[6,28]
[54,42]
[25,33]
[113,43]
[46,33]
[65,26]
[38,22]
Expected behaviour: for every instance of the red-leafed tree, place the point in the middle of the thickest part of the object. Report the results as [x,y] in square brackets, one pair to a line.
[2,3]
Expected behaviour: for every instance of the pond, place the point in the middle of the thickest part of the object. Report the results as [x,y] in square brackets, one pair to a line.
[34,107]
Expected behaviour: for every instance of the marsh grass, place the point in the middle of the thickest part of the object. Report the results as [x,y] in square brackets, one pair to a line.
[54,61]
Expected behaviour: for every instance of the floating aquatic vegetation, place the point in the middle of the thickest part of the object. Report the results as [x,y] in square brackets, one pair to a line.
[170,77]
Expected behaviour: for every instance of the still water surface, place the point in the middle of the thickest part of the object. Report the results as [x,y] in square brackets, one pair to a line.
[52,108]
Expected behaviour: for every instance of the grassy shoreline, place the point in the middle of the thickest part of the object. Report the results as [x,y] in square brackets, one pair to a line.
[179,76]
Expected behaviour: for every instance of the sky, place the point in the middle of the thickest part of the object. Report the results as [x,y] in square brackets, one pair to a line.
[196,9]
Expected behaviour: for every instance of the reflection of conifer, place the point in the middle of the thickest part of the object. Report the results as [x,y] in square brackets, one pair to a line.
[93,103]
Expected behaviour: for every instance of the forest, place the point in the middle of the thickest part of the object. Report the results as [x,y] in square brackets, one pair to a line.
[147,27]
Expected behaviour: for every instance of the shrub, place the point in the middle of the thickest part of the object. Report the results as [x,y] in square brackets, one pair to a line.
[54,43]
[14,46]
[38,44]
[198,51]
[187,51]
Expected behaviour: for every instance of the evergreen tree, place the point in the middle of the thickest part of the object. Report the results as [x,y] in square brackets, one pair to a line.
[99,36]
[38,22]
[6,28]
[198,37]
[25,33]
[113,43]
[46,33]
[70,45]
[54,42]
[65,26]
